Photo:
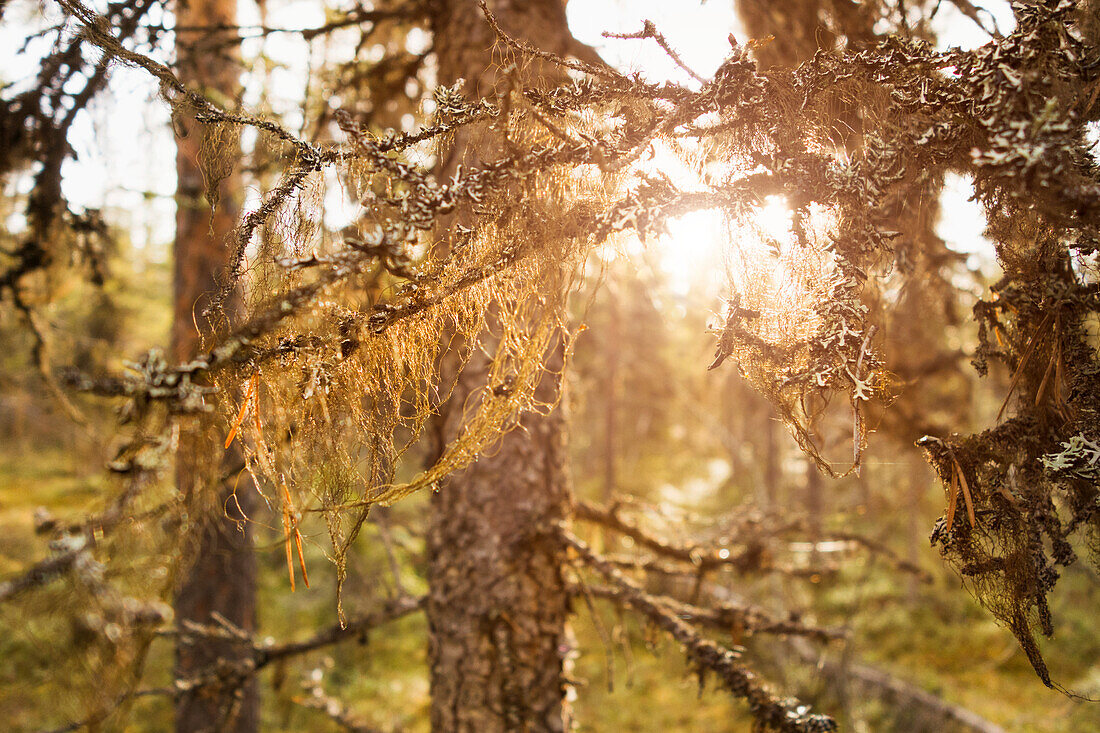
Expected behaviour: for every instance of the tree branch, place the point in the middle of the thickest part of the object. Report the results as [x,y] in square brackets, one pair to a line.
[726,617]
[701,558]
[786,715]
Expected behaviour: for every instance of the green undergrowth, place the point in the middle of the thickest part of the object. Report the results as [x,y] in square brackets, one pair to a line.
[937,638]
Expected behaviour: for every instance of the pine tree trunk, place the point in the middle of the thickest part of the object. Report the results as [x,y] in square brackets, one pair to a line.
[219,570]
[497,607]
[611,397]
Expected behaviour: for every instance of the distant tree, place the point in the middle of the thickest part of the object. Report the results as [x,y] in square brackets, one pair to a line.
[219,577]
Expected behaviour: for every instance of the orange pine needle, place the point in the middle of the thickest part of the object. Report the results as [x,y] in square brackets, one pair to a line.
[289,555]
[286,532]
[1054,356]
[286,494]
[966,493]
[252,382]
[301,556]
[290,526]
[1046,378]
[997,335]
[953,499]
[1023,362]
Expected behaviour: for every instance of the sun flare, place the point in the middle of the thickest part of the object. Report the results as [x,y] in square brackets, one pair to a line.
[697,249]
[774,218]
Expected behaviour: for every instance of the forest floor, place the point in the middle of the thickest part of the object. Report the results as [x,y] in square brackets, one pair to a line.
[935,637]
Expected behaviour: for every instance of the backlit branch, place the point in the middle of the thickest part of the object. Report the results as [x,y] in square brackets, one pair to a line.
[701,558]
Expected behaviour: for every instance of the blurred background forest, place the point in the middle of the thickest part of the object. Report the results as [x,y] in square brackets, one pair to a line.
[658,444]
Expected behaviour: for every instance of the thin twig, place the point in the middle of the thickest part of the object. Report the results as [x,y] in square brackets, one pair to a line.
[650,31]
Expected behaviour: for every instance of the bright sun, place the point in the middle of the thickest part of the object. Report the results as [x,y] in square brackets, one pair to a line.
[774,218]
[696,251]
[691,255]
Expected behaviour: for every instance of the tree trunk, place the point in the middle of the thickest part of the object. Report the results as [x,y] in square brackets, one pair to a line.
[498,606]
[768,494]
[219,570]
[611,396]
[815,510]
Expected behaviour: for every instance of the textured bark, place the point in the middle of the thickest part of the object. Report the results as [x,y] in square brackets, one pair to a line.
[219,573]
[498,604]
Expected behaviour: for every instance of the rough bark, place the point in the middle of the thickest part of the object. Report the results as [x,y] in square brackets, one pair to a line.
[219,570]
[498,602]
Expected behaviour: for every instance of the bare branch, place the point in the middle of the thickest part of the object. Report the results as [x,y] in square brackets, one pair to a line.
[787,715]
[727,617]
[704,559]
[41,573]
[650,31]
[752,559]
